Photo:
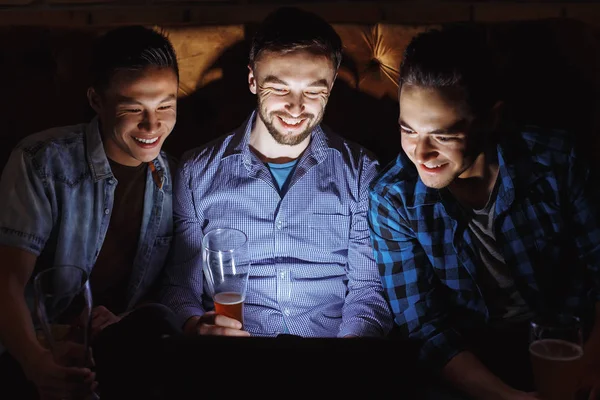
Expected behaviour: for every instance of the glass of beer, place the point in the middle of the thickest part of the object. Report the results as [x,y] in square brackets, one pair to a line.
[63,303]
[556,350]
[226,262]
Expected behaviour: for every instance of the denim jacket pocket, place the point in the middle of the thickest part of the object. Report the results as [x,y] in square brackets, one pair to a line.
[162,245]
[162,241]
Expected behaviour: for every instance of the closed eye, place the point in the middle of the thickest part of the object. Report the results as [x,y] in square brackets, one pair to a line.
[449,138]
[315,93]
[406,131]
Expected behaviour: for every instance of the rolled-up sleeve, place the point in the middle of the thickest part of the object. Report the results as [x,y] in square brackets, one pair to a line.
[25,209]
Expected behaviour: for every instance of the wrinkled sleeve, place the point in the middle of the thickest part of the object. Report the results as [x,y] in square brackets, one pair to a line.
[25,209]
[365,311]
[181,288]
[410,285]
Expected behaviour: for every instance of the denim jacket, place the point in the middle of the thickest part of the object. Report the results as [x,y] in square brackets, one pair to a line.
[57,193]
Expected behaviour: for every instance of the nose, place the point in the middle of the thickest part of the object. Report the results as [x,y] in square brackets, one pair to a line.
[295,104]
[150,122]
[424,151]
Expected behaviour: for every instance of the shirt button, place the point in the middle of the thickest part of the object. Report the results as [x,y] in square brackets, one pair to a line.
[279,224]
[287,312]
[282,274]
[111,181]
[106,211]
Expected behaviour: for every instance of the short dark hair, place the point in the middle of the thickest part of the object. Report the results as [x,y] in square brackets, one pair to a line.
[289,29]
[130,48]
[453,57]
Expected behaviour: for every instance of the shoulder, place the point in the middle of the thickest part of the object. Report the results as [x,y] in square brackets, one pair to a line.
[202,162]
[57,153]
[351,152]
[396,182]
[59,139]
[547,148]
[208,152]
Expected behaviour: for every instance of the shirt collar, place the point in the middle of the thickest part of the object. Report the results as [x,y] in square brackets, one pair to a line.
[240,144]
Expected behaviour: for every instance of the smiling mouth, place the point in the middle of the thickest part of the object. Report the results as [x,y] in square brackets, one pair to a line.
[291,122]
[432,168]
[146,141]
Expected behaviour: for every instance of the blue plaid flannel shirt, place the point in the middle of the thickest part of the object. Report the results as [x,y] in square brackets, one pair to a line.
[546,226]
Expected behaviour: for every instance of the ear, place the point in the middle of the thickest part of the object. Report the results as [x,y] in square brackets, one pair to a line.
[252,80]
[94,100]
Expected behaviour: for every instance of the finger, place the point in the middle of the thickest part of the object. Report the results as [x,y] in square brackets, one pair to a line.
[99,309]
[77,372]
[98,315]
[98,322]
[107,323]
[227,322]
[215,330]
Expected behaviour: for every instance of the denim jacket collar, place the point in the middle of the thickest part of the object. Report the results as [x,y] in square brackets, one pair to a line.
[96,155]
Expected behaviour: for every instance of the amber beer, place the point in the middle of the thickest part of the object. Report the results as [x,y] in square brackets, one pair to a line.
[556,367]
[230,304]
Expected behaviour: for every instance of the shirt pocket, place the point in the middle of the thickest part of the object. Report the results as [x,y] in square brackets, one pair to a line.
[162,244]
[329,230]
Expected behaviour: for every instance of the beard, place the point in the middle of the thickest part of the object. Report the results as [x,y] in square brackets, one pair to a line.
[287,138]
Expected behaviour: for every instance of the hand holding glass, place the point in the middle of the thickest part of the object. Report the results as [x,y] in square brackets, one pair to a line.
[226,262]
[556,351]
[63,303]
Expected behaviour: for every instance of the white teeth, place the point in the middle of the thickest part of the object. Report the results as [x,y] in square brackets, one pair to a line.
[433,166]
[146,141]
[291,121]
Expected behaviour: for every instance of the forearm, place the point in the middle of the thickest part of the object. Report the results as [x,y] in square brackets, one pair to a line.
[16,326]
[465,372]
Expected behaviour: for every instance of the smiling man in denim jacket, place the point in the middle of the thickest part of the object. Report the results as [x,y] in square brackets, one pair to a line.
[95,195]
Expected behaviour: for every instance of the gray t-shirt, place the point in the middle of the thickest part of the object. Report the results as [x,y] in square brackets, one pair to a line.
[504,302]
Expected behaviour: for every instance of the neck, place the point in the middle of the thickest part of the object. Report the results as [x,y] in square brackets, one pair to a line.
[474,187]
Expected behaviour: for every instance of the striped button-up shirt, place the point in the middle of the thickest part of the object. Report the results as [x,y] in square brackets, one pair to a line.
[546,227]
[313,273]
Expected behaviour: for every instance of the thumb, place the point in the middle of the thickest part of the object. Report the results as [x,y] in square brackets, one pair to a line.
[76,371]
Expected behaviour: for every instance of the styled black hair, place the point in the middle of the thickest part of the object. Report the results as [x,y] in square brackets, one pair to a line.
[456,57]
[130,48]
[289,29]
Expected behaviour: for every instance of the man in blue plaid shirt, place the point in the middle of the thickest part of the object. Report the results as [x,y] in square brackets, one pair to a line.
[477,232]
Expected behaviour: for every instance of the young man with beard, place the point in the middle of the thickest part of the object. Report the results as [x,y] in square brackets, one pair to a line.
[299,193]
[476,228]
[95,195]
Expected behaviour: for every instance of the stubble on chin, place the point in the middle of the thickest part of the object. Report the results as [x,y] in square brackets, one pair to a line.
[288,139]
